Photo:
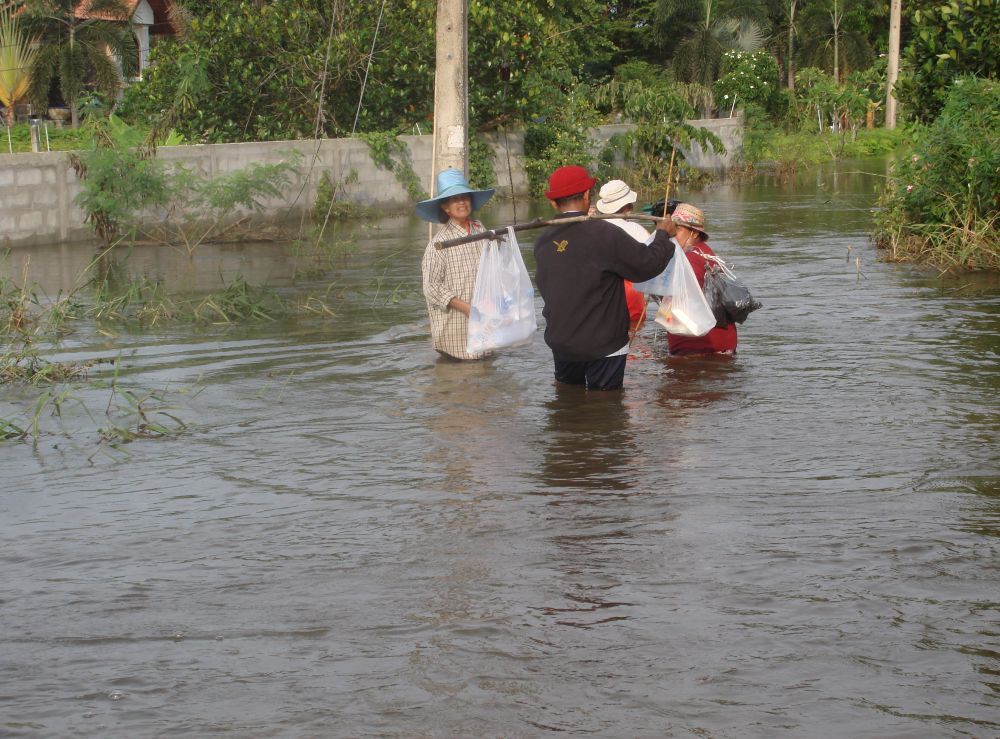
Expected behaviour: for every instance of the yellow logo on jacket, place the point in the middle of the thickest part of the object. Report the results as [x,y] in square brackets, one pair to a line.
[561,245]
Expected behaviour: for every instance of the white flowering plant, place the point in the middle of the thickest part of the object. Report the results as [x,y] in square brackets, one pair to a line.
[748,78]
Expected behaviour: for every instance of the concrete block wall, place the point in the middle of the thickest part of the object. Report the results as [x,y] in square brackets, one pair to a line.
[37,191]
[729,130]
[36,200]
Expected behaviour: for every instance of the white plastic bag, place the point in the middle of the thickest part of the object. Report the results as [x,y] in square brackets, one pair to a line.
[684,309]
[659,285]
[503,301]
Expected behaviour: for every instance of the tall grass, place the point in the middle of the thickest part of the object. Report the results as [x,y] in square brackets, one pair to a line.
[769,149]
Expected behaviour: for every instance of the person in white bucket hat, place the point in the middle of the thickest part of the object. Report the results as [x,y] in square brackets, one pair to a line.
[449,275]
[615,196]
[618,198]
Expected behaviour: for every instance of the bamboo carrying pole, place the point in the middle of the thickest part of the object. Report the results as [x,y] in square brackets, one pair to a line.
[670,176]
[666,204]
[501,233]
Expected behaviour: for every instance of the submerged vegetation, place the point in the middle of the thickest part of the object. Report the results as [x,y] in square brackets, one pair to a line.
[31,328]
[28,318]
[34,328]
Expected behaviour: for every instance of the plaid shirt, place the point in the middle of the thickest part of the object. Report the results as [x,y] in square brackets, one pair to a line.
[451,273]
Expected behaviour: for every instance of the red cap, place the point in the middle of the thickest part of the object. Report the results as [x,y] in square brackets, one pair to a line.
[567,181]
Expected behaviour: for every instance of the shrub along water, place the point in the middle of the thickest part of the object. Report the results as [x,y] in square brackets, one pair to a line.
[822,120]
[123,184]
[766,149]
[941,204]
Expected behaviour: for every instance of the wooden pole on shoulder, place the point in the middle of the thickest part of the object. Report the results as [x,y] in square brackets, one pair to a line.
[501,233]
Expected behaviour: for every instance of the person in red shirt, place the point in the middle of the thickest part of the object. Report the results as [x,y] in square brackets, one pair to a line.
[692,237]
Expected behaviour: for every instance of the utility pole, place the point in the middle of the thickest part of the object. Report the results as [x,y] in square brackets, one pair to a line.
[451,87]
[895,13]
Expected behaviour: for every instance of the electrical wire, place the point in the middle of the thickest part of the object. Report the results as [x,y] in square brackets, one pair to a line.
[371,54]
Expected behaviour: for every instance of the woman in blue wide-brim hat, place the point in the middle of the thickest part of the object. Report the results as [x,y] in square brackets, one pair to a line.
[449,275]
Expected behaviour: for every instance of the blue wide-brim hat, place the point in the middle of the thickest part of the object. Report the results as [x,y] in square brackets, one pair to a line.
[450,182]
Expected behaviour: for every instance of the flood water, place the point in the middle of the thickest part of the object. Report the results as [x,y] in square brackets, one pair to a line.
[354,538]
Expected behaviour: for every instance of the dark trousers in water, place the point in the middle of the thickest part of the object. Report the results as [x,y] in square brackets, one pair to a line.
[607,373]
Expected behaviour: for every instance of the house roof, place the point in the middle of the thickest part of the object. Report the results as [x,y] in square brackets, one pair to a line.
[161,13]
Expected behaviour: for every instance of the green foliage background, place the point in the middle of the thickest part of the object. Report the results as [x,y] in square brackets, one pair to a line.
[809,75]
[247,71]
[948,40]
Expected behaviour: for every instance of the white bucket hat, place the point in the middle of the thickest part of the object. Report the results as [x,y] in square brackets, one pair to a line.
[614,196]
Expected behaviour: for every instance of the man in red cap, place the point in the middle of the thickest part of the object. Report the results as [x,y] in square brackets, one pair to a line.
[579,272]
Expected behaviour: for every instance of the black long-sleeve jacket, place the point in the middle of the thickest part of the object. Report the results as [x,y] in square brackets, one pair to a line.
[579,269]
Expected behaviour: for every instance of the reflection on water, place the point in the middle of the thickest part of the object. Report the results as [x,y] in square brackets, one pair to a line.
[355,536]
[62,268]
[472,403]
[696,382]
[587,443]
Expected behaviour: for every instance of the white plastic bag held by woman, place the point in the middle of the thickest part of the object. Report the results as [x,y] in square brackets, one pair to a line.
[503,302]
[684,310]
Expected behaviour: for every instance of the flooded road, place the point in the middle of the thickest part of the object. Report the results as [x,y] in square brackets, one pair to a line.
[354,538]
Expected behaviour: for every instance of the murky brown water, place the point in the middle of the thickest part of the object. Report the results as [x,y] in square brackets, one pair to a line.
[354,538]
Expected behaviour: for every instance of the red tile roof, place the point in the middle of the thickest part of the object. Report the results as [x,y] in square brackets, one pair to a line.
[160,8]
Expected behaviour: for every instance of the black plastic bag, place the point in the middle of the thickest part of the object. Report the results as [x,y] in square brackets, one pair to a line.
[657,208]
[730,299]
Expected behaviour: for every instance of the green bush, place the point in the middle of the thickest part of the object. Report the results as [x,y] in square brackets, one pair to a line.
[481,173]
[764,143]
[117,184]
[942,203]
[560,139]
[121,184]
[877,141]
[566,146]
[748,78]
[947,40]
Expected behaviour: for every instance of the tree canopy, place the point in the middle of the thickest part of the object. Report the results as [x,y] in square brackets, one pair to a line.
[247,70]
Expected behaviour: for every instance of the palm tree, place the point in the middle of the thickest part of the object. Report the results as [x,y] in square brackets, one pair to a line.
[82,42]
[831,41]
[16,57]
[721,25]
[788,8]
